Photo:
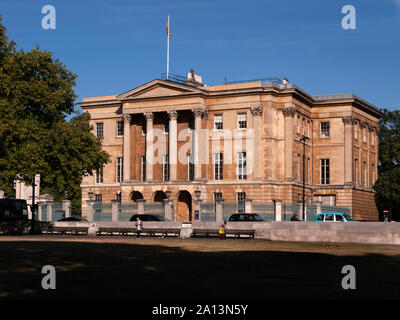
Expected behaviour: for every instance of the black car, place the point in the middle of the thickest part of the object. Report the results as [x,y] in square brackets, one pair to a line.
[245,217]
[147,217]
[72,219]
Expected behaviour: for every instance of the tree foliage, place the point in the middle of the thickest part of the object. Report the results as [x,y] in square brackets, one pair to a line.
[389,163]
[36,100]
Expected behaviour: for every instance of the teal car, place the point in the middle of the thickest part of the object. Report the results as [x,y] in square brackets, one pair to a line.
[333,217]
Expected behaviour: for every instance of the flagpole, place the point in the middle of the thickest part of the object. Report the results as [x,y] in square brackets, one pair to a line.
[168,50]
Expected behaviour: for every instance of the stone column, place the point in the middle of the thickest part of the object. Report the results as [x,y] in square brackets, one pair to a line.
[348,149]
[300,214]
[90,210]
[114,210]
[198,112]
[141,203]
[173,144]
[127,147]
[49,210]
[168,209]
[319,209]
[149,145]
[248,206]
[219,211]
[257,156]
[288,113]
[66,204]
[278,209]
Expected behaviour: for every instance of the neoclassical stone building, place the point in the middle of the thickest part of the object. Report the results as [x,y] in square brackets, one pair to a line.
[235,141]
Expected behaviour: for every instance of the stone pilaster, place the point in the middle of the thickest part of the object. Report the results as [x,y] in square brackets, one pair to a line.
[198,113]
[288,113]
[173,144]
[127,147]
[149,145]
[348,149]
[257,156]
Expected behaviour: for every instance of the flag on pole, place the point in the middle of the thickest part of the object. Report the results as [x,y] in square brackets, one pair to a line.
[168,28]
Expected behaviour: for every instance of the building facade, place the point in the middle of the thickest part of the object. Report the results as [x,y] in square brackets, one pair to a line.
[251,140]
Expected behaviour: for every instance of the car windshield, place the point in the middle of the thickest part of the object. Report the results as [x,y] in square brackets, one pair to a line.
[346,216]
[257,218]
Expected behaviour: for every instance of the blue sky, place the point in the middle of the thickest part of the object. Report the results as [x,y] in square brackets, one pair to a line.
[114,46]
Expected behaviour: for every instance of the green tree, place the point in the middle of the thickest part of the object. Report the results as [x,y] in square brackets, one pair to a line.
[389,164]
[36,100]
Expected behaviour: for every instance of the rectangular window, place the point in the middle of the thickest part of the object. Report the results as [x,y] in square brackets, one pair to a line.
[120,168]
[308,128]
[303,127]
[324,133]
[242,120]
[356,171]
[99,176]
[100,129]
[298,168]
[373,174]
[165,168]
[120,128]
[324,171]
[364,135]
[217,196]
[218,166]
[143,168]
[365,173]
[241,196]
[242,166]
[372,138]
[218,122]
[98,198]
[190,168]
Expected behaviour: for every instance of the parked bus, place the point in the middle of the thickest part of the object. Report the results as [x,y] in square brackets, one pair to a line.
[13,216]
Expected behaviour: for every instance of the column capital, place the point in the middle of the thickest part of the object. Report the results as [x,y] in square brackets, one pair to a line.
[172,114]
[126,117]
[205,115]
[348,119]
[149,115]
[289,112]
[198,112]
[256,111]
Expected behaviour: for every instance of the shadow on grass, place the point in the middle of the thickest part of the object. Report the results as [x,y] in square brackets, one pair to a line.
[88,270]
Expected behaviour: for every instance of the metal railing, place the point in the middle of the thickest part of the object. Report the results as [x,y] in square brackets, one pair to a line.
[273,80]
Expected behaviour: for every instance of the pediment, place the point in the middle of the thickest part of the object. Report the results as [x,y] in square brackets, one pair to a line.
[158,89]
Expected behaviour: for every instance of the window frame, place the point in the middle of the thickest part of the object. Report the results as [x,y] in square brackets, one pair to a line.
[321,130]
[240,122]
[120,126]
[100,128]
[325,171]
[241,168]
[119,169]
[218,166]
[217,116]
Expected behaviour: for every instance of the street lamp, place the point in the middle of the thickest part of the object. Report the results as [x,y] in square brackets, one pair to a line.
[66,195]
[91,195]
[168,193]
[197,193]
[303,139]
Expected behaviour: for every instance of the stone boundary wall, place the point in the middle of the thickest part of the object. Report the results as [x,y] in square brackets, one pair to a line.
[350,232]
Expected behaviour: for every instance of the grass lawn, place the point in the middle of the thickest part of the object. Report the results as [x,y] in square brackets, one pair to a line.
[128,268]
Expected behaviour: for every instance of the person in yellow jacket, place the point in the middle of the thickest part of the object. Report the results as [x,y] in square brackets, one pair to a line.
[222,234]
